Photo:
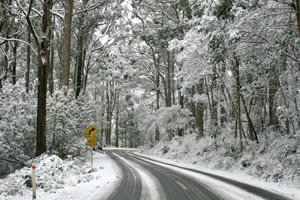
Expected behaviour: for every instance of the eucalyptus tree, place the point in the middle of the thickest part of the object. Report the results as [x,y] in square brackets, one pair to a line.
[41,51]
[268,46]
[18,12]
[242,43]
[11,30]
[286,44]
[42,77]
[159,23]
[96,30]
[155,24]
[4,43]
[203,55]
[66,57]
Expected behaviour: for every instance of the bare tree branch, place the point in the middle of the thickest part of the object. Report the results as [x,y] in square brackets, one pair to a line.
[92,7]
[19,40]
[27,14]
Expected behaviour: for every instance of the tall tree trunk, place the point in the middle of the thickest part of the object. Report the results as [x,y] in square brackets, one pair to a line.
[296,6]
[180,99]
[211,102]
[51,69]
[80,63]
[117,129]
[80,52]
[214,111]
[273,87]
[85,81]
[224,116]
[5,65]
[50,59]
[117,122]
[173,77]
[108,128]
[3,23]
[238,101]
[6,61]
[42,51]
[102,125]
[157,133]
[287,121]
[253,134]
[66,50]
[181,103]
[3,13]
[200,110]
[110,98]
[192,104]
[42,87]
[169,81]
[157,92]
[264,105]
[27,78]
[14,63]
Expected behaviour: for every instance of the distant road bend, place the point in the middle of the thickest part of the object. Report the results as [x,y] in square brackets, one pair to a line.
[143,179]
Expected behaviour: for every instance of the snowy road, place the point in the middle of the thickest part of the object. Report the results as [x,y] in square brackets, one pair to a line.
[146,179]
[130,186]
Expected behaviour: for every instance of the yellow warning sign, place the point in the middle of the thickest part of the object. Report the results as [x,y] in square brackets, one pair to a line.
[91,131]
[91,141]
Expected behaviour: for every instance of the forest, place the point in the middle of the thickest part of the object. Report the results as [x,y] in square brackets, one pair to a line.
[145,71]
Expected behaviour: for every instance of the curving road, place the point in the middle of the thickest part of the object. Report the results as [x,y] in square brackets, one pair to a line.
[131,185]
[170,184]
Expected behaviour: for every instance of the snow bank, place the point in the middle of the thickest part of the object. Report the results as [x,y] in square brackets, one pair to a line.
[61,179]
[276,159]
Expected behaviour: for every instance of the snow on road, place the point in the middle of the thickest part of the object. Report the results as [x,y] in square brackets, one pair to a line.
[150,185]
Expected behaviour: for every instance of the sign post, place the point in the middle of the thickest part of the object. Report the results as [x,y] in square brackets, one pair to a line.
[33,182]
[91,156]
[91,142]
[91,131]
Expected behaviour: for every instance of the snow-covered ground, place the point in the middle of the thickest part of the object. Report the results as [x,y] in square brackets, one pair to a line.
[64,179]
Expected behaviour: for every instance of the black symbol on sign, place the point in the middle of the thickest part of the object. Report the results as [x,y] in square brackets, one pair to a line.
[93,129]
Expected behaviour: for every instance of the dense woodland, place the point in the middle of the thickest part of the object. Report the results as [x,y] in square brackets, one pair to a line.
[143,71]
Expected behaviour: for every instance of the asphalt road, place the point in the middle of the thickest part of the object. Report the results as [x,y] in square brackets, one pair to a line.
[130,186]
[172,184]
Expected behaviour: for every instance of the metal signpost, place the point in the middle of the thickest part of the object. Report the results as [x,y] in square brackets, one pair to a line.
[91,131]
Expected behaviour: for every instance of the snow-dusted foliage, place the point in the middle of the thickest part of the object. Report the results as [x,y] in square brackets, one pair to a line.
[52,174]
[171,119]
[66,121]
[167,120]
[17,126]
